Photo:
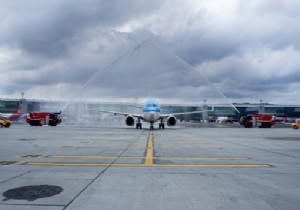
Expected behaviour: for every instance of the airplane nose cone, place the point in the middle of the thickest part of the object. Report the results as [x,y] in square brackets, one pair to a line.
[152,117]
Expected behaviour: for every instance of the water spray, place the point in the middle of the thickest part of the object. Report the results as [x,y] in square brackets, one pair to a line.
[128,52]
[194,70]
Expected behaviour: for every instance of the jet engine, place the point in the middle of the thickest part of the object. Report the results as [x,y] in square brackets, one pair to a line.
[129,120]
[171,120]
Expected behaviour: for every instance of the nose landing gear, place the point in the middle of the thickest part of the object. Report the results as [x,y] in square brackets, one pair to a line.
[151,126]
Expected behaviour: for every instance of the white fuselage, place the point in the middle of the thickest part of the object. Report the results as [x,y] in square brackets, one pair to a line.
[151,116]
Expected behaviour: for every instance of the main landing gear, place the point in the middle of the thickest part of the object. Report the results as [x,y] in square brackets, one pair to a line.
[161,125]
[138,125]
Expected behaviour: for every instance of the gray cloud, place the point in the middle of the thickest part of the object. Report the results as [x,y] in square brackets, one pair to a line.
[248,50]
[49,28]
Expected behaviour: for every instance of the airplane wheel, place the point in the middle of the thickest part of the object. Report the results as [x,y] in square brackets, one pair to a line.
[139,126]
[161,126]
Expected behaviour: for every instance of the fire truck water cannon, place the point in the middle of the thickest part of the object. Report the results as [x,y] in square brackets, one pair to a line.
[43,118]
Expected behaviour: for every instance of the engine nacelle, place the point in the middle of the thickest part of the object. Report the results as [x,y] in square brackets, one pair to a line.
[171,120]
[129,120]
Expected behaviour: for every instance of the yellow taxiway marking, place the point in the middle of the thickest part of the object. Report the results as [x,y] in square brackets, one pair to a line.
[142,148]
[95,157]
[141,157]
[95,147]
[151,165]
[222,126]
[217,165]
[201,158]
[188,148]
[148,159]
[149,155]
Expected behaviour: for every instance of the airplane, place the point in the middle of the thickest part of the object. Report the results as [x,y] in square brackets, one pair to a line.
[12,116]
[151,114]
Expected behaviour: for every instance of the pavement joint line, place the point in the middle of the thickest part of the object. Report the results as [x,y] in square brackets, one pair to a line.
[31,156]
[9,162]
[100,174]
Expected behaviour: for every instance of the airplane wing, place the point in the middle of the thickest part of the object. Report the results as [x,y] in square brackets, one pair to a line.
[115,113]
[184,113]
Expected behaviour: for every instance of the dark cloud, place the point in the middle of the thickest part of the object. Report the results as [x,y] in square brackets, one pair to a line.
[206,50]
[246,49]
[147,69]
[49,28]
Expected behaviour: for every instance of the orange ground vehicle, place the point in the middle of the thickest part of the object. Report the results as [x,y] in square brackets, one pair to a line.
[296,124]
[4,122]
[260,120]
[43,118]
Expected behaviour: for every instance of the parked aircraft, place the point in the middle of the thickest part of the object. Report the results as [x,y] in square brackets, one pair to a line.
[8,109]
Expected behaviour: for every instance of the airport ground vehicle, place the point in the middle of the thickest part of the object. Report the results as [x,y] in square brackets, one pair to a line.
[260,120]
[4,122]
[296,124]
[43,118]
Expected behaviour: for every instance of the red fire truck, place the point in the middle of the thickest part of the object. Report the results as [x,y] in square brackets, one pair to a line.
[43,118]
[260,120]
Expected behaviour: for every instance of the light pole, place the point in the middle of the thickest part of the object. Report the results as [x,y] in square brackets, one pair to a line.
[205,113]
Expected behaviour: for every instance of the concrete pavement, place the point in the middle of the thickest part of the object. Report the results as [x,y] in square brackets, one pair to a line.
[186,167]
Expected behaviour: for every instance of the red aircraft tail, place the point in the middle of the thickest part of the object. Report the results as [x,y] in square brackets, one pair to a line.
[17,114]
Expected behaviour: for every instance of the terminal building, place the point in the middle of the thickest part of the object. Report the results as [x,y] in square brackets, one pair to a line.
[81,110]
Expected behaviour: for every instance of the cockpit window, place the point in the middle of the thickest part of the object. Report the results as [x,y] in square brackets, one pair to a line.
[151,105]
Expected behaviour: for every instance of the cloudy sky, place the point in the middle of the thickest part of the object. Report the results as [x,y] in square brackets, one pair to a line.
[249,50]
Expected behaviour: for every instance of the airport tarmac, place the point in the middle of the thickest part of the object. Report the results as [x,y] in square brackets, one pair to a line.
[215,166]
